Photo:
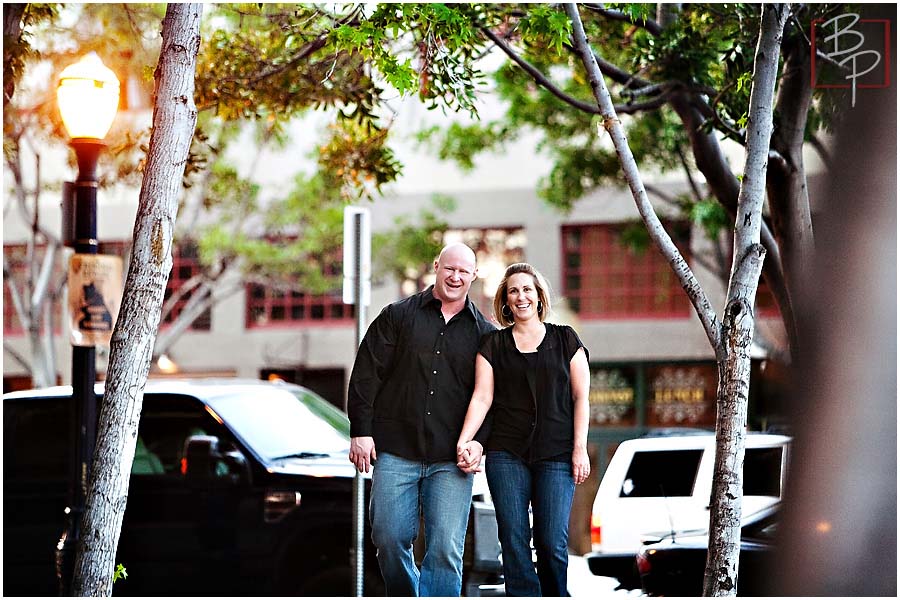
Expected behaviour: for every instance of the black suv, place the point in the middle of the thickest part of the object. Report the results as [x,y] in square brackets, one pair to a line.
[238,487]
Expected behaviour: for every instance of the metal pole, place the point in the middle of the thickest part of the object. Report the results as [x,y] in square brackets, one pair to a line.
[359,489]
[84,368]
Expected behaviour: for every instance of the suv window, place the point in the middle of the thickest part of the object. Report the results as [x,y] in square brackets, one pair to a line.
[661,473]
[166,423]
[290,421]
[36,436]
[762,472]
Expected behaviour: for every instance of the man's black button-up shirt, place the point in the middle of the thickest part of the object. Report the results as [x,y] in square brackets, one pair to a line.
[413,378]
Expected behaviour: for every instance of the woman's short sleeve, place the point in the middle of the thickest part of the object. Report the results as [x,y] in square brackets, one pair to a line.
[573,343]
[489,346]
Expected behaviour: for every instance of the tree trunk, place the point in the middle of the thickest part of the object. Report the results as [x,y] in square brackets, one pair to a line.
[12,35]
[721,576]
[732,338]
[174,119]
[786,182]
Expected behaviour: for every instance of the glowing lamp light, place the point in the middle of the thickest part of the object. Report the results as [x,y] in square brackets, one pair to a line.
[88,97]
[166,365]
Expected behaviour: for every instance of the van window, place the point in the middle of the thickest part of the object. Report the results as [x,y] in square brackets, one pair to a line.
[762,472]
[663,473]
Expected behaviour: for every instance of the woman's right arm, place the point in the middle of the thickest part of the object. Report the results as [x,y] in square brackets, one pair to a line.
[479,405]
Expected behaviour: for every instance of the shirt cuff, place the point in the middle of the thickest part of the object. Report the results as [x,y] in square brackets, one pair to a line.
[360,429]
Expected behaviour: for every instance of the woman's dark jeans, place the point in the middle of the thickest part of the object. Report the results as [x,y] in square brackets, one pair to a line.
[549,487]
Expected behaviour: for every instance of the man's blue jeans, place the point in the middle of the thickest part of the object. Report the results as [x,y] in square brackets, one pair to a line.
[549,487]
[402,488]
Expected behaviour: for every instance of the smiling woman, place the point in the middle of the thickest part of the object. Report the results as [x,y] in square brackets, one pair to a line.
[533,378]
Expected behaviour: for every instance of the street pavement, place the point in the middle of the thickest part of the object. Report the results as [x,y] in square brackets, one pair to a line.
[584,584]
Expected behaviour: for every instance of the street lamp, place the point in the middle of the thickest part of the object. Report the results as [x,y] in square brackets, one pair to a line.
[87,97]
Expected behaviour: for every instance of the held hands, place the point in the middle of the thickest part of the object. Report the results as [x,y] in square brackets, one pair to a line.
[581,465]
[362,453]
[468,456]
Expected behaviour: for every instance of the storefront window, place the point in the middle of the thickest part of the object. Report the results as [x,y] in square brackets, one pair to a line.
[681,396]
[612,397]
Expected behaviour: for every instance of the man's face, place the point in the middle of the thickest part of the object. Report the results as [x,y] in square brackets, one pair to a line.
[455,271]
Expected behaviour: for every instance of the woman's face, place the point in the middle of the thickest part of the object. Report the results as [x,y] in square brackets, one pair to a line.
[522,296]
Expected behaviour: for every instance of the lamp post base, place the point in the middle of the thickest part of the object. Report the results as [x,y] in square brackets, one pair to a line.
[65,553]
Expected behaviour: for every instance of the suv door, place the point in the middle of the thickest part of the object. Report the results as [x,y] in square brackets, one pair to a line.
[661,489]
[178,537]
[37,445]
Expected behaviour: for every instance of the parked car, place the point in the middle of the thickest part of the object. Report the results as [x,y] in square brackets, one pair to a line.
[674,565]
[238,487]
[664,483]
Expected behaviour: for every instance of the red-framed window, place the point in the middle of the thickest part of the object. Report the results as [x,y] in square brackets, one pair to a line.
[278,306]
[605,278]
[271,306]
[185,265]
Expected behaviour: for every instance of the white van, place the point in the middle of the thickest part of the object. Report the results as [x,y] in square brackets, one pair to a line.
[662,484]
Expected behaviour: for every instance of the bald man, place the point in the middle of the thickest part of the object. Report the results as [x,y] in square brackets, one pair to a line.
[409,392]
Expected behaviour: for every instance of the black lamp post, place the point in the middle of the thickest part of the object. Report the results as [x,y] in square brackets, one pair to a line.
[88,96]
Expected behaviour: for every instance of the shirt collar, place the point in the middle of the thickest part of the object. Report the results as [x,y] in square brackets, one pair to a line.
[427,297]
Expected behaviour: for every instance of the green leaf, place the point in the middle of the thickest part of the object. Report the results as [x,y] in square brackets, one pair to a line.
[120,573]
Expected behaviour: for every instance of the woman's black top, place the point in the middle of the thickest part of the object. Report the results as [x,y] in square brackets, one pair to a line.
[533,408]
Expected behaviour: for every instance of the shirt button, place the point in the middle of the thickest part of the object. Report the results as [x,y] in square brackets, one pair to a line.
[428,413]
[438,352]
[435,372]
[442,333]
[431,392]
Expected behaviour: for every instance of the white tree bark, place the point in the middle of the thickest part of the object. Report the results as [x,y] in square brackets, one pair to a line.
[721,576]
[174,120]
[731,338]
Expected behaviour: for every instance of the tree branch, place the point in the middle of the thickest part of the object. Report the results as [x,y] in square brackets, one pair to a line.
[15,294]
[614,72]
[303,54]
[617,15]
[632,108]
[16,356]
[698,196]
[545,82]
[537,75]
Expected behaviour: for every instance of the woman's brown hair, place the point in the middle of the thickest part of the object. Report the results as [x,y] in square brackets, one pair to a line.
[540,285]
